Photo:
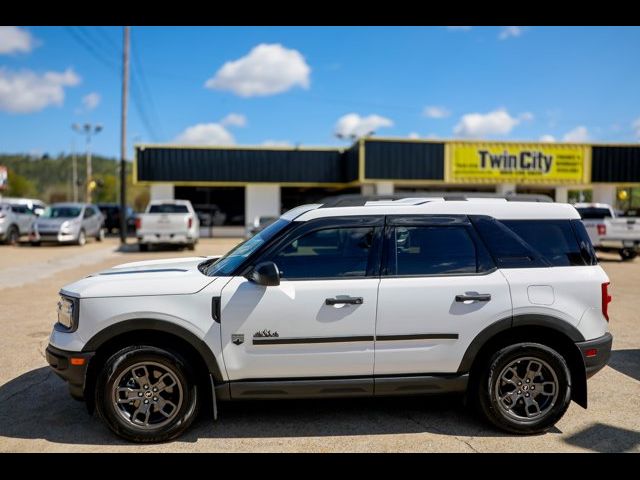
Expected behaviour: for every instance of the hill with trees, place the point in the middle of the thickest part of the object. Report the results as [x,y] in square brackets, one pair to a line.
[50,179]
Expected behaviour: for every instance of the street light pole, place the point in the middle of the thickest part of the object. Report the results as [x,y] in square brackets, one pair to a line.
[88,130]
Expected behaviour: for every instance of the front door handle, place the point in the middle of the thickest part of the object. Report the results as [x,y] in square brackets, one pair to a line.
[478,297]
[344,301]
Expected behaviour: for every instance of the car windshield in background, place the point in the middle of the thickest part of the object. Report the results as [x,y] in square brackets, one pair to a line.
[168,208]
[592,213]
[227,264]
[61,212]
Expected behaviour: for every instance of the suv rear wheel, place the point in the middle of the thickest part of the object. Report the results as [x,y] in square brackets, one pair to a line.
[146,394]
[525,388]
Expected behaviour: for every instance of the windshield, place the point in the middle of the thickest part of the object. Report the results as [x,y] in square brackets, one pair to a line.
[593,213]
[225,265]
[168,208]
[61,212]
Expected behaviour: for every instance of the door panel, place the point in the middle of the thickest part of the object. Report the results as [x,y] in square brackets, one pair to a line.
[313,339]
[427,307]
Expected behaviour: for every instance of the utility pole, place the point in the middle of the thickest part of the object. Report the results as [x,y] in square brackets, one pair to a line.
[123,135]
[88,130]
[74,171]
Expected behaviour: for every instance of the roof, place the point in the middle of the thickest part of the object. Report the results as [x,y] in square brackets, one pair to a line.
[497,208]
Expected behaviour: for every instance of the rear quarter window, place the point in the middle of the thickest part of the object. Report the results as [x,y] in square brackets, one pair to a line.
[555,240]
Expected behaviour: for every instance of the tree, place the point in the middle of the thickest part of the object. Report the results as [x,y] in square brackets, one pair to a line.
[20,186]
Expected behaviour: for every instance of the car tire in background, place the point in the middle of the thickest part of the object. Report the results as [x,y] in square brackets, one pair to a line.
[628,254]
[35,243]
[191,246]
[143,247]
[525,388]
[82,238]
[100,235]
[13,236]
[147,394]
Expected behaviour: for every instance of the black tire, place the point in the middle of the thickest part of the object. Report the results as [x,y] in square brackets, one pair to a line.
[508,418]
[143,247]
[191,246]
[628,254]
[35,244]
[118,364]
[100,235]
[13,236]
[82,238]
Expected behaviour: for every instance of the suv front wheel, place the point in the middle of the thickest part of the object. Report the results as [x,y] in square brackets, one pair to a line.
[146,394]
[525,388]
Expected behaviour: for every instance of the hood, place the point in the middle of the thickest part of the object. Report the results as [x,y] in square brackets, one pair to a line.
[175,276]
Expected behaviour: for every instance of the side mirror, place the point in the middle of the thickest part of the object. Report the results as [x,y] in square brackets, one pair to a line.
[265,273]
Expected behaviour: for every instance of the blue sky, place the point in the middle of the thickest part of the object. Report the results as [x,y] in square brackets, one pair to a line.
[280,85]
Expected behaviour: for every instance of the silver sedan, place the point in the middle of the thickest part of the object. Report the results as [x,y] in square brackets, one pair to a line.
[69,223]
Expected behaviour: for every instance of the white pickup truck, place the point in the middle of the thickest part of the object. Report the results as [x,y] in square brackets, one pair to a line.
[168,222]
[608,232]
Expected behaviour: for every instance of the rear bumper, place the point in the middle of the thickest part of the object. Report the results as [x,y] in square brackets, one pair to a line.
[74,375]
[596,353]
[165,238]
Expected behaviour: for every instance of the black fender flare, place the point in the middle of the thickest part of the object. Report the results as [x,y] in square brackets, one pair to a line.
[138,324]
[573,357]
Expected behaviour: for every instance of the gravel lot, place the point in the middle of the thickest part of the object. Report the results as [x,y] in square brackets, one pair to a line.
[38,415]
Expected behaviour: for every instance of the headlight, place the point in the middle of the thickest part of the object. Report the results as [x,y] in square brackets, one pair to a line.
[68,313]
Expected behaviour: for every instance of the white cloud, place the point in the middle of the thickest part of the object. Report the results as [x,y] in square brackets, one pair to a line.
[636,127]
[15,40]
[26,91]
[414,135]
[433,111]
[577,135]
[276,143]
[206,134]
[497,122]
[459,28]
[353,125]
[234,120]
[508,32]
[547,138]
[266,70]
[91,101]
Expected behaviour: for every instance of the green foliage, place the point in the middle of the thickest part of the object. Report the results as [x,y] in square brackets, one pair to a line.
[19,186]
[50,179]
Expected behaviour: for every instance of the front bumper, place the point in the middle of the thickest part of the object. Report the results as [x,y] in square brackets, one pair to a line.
[61,363]
[596,353]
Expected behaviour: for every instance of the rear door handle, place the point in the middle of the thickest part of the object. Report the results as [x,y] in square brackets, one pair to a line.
[478,297]
[344,300]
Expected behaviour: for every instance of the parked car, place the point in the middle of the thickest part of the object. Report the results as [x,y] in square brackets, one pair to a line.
[210,215]
[69,223]
[502,300]
[15,221]
[259,223]
[608,232]
[165,222]
[111,212]
[33,204]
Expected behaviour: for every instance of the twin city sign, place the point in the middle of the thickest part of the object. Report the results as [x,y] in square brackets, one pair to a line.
[485,162]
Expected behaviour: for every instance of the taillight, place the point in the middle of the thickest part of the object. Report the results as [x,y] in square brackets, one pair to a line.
[138,223]
[606,300]
[602,229]
[190,222]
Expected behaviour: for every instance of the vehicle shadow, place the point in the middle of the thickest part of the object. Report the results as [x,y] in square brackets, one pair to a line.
[606,439]
[36,405]
[627,362]
[133,248]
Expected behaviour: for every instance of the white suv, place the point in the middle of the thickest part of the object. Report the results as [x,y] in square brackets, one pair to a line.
[502,300]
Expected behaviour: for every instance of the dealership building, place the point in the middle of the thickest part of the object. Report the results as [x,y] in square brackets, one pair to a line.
[236,184]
